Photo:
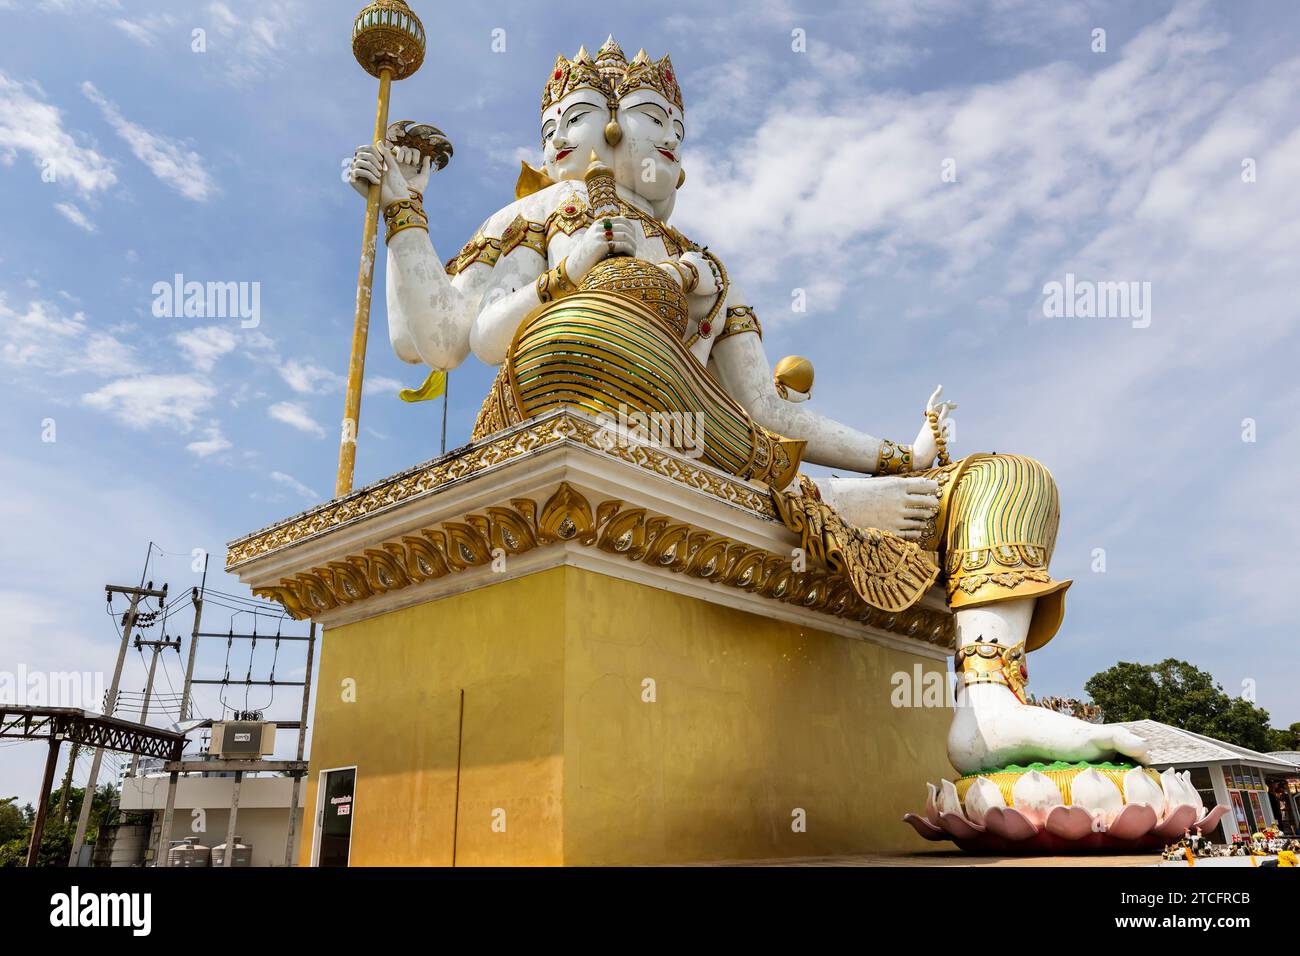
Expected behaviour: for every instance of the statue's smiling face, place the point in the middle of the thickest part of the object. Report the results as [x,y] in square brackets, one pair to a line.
[571,129]
[649,159]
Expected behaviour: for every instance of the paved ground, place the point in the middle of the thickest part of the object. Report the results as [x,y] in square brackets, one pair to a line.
[947,858]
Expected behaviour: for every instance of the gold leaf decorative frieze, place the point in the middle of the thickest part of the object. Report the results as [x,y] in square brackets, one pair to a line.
[532,437]
[609,525]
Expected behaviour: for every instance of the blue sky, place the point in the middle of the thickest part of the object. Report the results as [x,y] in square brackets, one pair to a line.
[817,171]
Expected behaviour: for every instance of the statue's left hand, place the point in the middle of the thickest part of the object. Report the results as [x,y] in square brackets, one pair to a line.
[925,448]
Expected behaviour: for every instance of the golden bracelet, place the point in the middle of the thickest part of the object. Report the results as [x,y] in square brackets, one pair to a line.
[893,459]
[690,282]
[940,443]
[404,214]
[555,284]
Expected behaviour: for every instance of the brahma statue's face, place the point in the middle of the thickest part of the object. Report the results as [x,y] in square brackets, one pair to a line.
[648,160]
[571,129]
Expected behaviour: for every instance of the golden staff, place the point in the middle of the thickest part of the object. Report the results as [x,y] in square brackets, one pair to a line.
[388,42]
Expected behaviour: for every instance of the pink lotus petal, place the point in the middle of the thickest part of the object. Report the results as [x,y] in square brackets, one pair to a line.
[959,826]
[1009,823]
[924,827]
[1177,823]
[1211,820]
[932,804]
[1135,820]
[1070,823]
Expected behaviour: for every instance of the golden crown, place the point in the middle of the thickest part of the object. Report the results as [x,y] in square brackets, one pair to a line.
[610,74]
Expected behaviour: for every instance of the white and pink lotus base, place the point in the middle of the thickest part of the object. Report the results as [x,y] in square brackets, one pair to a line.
[1086,810]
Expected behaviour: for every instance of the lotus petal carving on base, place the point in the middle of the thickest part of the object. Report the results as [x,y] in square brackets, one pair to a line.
[1079,809]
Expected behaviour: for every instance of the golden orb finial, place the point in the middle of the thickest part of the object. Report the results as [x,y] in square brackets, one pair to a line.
[795,372]
[386,35]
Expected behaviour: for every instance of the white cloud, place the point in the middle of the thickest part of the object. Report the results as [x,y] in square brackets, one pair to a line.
[43,337]
[75,216]
[1038,156]
[295,416]
[383,385]
[292,482]
[143,401]
[172,162]
[145,32]
[32,126]
[212,444]
[251,39]
[307,378]
[204,346]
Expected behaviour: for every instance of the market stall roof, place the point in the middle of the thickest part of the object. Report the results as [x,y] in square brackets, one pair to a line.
[1173,745]
[1287,756]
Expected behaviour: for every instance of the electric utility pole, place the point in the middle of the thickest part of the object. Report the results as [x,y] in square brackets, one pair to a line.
[157,646]
[128,624]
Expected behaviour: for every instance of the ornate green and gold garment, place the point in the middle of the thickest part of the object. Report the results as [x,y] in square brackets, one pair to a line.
[991,540]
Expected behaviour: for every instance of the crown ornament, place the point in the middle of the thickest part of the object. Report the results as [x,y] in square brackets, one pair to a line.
[610,74]
[570,75]
[646,74]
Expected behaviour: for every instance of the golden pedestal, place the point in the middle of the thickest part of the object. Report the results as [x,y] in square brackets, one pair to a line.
[646,678]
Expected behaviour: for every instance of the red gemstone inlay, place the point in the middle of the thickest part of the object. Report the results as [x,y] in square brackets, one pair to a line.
[570,210]
[558,74]
[706,329]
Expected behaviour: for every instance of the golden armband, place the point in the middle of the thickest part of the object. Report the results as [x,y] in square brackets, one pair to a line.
[893,459]
[740,318]
[555,284]
[404,214]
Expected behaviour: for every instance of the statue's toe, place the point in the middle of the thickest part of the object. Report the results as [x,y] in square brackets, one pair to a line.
[1130,744]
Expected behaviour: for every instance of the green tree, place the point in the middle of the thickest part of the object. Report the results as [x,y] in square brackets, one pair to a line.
[12,822]
[1181,694]
[56,841]
[1288,739]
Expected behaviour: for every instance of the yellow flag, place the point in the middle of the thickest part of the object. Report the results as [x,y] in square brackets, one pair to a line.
[433,386]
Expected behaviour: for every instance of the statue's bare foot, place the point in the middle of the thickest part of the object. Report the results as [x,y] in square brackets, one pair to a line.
[992,729]
[899,504]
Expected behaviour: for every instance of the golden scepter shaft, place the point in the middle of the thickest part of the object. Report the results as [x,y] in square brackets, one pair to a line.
[388,42]
[361,322]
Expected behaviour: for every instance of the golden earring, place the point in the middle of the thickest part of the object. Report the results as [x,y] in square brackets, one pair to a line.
[613,133]
[681,178]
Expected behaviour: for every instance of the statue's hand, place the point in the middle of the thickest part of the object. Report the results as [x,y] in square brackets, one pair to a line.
[708,281]
[593,246]
[925,448]
[376,164]
[414,166]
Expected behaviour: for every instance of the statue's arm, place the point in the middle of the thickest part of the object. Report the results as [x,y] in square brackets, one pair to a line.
[429,315]
[740,362]
[511,293]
